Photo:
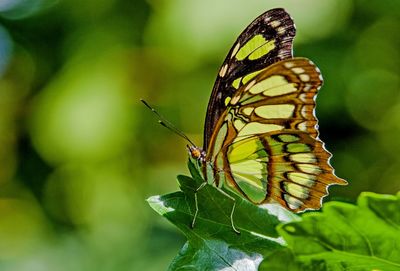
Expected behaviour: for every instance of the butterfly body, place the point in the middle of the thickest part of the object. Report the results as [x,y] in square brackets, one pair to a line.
[261,138]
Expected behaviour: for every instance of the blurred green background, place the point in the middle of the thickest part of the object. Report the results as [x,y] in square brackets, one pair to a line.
[79,153]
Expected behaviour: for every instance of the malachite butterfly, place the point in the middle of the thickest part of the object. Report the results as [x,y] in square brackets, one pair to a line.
[261,133]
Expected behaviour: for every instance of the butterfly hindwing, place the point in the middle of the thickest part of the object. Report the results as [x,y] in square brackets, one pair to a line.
[266,141]
[291,168]
[266,40]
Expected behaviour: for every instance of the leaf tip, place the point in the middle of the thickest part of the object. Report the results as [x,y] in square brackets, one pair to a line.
[158,205]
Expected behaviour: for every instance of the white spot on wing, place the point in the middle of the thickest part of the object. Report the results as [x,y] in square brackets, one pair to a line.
[235,50]
[307,87]
[305,77]
[302,126]
[292,202]
[281,30]
[298,70]
[303,98]
[235,99]
[249,85]
[275,23]
[223,70]
[288,64]
[304,110]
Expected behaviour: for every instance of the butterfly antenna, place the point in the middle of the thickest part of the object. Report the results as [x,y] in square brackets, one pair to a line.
[167,124]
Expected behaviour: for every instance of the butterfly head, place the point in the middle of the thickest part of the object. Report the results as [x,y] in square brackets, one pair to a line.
[196,153]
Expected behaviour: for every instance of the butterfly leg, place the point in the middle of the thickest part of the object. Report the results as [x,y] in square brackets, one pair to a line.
[222,192]
[196,204]
[233,208]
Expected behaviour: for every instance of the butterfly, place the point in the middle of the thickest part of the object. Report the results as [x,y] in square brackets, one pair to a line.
[261,133]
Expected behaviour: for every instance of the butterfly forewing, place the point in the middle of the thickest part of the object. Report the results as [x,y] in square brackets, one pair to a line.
[266,40]
[266,141]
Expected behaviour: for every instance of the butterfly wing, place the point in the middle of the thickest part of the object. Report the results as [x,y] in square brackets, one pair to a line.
[266,143]
[266,40]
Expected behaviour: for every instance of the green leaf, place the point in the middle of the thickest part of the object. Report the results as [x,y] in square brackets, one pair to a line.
[212,244]
[344,236]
